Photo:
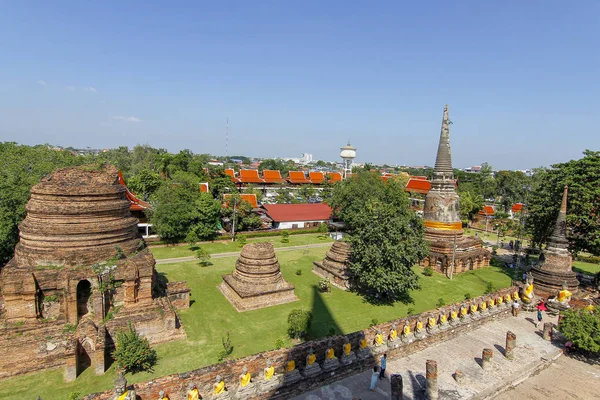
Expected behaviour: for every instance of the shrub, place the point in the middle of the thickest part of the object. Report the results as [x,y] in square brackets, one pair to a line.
[410,311]
[285,237]
[74,396]
[374,322]
[428,271]
[494,250]
[582,328]
[279,343]
[227,347]
[203,257]
[69,328]
[467,296]
[324,285]
[298,272]
[299,323]
[133,353]
[322,228]
[440,303]
[241,240]
[489,287]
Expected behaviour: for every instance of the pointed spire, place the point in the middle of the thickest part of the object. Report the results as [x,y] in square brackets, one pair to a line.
[559,235]
[443,161]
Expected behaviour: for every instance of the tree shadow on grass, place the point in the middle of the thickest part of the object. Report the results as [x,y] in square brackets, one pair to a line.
[323,321]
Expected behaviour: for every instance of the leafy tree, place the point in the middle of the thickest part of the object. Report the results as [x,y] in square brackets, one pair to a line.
[203,257]
[470,204]
[245,219]
[583,208]
[285,236]
[144,157]
[299,323]
[386,237]
[512,187]
[133,352]
[582,327]
[272,164]
[119,157]
[145,183]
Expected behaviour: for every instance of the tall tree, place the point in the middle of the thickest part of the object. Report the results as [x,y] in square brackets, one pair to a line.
[386,237]
[583,208]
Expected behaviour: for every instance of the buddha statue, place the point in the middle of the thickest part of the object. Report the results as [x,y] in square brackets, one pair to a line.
[162,395]
[121,392]
[515,296]
[393,337]
[443,322]
[491,303]
[363,348]
[419,329]
[431,323]
[348,356]
[270,380]
[528,296]
[312,368]
[193,393]
[454,317]
[219,390]
[246,387]
[564,296]
[292,375]
[483,307]
[331,362]
[507,300]
[560,302]
[378,342]
[406,332]
[473,311]
[500,301]
[590,307]
[463,314]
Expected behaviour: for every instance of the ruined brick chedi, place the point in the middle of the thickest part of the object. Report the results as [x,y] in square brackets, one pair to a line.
[557,266]
[441,214]
[79,274]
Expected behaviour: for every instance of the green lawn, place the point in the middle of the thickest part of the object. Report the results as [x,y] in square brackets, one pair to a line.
[585,267]
[211,316]
[226,246]
[492,237]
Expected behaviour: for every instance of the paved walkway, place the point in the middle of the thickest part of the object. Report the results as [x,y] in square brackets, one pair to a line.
[237,253]
[461,353]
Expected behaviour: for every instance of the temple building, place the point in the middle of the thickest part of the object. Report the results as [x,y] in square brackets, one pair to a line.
[450,251]
[557,266]
[80,273]
[257,281]
[335,265]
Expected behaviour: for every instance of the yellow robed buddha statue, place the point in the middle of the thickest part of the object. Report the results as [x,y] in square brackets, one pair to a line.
[393,333]
[379,338]
[463,311]
[406,329]
[500,300]
[219,386]
[564,296]
[363,344]
[528,291]
[347,348]
[330,353]
[473,308]
[431,321]
[483,306]
[291,365]
[311,358]
[508,298]
[443,318]
[269,371]
[491,302]
[419,326]
[121,389]
[590,308]
[516,295]
[453,314]
[245,377]
[193,393]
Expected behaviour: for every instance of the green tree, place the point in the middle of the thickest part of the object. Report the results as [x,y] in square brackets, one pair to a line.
[386,237]
[299,323]
[245,219]
[582,327]
[119,157]
[512,187]
[203,257]
[272,164]
[583,207]
[133,353]
[470,204]
[145,183]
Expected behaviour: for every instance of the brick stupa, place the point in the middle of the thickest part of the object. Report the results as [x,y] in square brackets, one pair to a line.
[335,265]
[80,273]
[557,267]
[257,281]
[441,214]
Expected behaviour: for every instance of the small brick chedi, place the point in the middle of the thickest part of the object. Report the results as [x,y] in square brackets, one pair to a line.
[256,281]
[556,269]
[441,214]
[80,273]
[335,265]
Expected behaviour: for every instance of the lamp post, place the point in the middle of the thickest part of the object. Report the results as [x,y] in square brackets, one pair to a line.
[453,257]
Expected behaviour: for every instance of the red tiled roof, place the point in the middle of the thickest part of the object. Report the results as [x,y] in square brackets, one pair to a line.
[204,187]
[272,176]
[316,177]
[135,204]
[249,197]
[487,210]
[230,172]
[298,212]
[418,185]
[334,176]
[250,176]
[297,177]
[517,207]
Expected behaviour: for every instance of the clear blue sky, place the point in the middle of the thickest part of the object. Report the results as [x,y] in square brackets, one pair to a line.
[521,77]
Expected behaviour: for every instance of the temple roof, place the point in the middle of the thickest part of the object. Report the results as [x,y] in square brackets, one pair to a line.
[298,212]
[135,203]
[248,197]
[443,161]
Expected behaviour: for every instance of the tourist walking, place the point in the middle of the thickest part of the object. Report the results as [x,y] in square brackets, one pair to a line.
[515,308]
[539,318]
[374,377]
[383,363]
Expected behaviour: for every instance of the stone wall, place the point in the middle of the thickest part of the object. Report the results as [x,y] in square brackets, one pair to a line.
[175,386]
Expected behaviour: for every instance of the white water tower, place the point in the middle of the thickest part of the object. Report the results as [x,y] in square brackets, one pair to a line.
[348,154]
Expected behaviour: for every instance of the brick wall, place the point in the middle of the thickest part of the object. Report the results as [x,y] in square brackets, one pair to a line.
[175,386]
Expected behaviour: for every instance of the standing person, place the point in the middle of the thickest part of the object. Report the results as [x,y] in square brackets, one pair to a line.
[383,363]
[515,308]
[374,377]
[539,318]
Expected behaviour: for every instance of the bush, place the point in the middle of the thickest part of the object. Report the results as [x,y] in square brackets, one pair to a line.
[582,328]
[322,228]
[494,250]
[279,343]
[440,303]
[410,311]
[299,323]
[374,322]
[298,272]
[428,271]
[227,347]
[74,396]
[285,237]
[240,240]
[133,353]
[588,259]
[203,257]
[324,285]
[489,287]
[467,296]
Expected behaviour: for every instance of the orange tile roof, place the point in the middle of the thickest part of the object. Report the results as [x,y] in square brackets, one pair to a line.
[297,177]
[135,204]
[334,176]
[248,197]
[418,185]
[273,176]
[204,187]
[298,212]
[517,207]
[230,172]
[250,176]
[487,210]
[316,177]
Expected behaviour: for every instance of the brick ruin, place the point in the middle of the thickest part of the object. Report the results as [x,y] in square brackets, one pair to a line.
[80,273]
[441,214]
[557,266]
[335,265]
[257,281]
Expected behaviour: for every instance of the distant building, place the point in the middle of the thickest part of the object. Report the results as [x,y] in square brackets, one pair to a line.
[306,158]
[292,216]
[215,163]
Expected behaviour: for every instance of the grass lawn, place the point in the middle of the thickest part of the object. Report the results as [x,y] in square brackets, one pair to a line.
[585,267]
[492,237]
[211,316]
[225,246]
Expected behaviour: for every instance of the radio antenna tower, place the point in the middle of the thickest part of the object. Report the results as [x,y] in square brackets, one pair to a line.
[227,141]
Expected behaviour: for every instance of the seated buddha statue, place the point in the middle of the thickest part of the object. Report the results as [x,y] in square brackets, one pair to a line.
[270,380]
[463,312]
[348,356]
[564,296]
[269,371]
[393,336]
[590,307]
[507,299]
[121,391]
[431,323]
[378,338]
[312,367]
[219,388]
[500,301]
[162,395]
[491,303]
[515,296]
[292,375]
[419,328]
[483,306]
[406,332]
[246,387]
[331,362]
[453,316]
[193,393]
[363,349]
[443,322]
[528,295]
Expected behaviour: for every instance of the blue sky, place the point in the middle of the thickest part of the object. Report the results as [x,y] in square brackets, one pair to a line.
[521,77]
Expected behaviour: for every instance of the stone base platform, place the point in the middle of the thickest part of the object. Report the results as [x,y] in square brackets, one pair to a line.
[247,300]
[551,281]
[338,280]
